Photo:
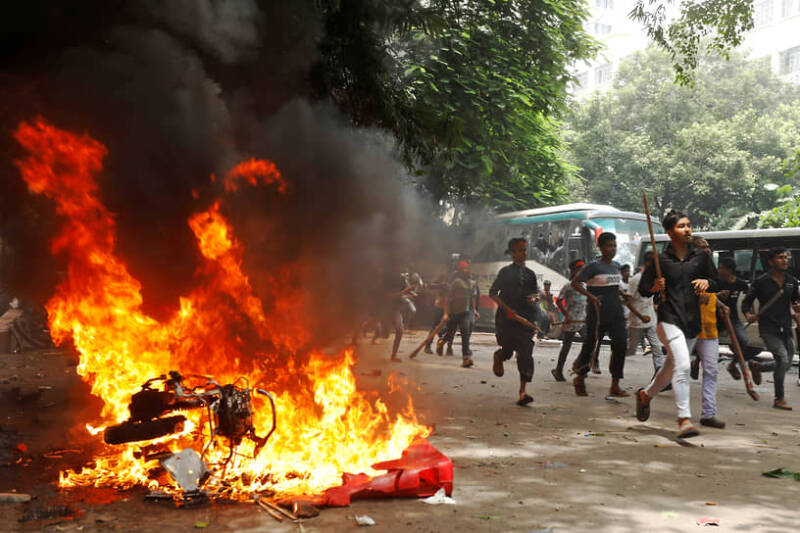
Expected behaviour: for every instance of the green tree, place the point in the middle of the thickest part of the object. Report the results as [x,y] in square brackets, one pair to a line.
[787,214]
[696,27]
[714,150]
[473,90]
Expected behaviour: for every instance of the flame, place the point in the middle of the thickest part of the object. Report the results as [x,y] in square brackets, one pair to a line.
[326,426]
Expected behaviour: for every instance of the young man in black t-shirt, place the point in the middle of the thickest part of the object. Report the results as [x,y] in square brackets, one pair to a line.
[516,287]
[777,294]
[602,278]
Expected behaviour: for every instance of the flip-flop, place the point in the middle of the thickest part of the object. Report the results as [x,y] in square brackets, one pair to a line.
[525,400]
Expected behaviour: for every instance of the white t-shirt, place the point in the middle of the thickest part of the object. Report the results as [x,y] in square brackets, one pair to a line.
[643,304]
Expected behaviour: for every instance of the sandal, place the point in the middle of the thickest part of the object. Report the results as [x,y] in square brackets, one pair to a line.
[580,385]
[558,375]
[525,400]
[642,406]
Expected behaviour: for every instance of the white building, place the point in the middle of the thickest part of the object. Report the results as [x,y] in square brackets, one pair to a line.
[774,38]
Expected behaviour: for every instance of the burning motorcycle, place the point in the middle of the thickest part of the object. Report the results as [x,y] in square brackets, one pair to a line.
[229,411]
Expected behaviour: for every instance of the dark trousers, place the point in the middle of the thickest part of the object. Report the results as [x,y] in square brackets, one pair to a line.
[782,347]
[516,339]
[619,343]
[749,352]
[438,313]
[462,322]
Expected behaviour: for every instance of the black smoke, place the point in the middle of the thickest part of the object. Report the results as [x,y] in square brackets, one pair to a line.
[181,90]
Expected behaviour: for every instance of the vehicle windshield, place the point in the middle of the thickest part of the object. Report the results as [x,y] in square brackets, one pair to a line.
[630,233]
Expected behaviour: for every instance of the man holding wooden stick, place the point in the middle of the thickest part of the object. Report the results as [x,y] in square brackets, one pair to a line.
[777,293]
[515,290]
[685,273]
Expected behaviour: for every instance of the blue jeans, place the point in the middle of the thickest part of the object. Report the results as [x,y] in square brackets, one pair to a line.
[462,321]
[782,347]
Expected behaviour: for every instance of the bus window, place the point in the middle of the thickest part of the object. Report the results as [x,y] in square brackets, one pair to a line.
[744,259]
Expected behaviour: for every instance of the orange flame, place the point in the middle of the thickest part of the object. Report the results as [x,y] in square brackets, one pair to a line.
[325,425]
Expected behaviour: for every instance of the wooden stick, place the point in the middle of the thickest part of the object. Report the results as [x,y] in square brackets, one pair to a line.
[737,350]
[428,339]
[656,261]
[514,316]
[764,308]
[279,509]
[269,511]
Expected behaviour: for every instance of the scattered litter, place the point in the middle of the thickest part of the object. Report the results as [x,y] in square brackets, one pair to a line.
[548,530]
[45,387]
[201,525]
[550,464]
[483,381]
[438,498]
[364,520]
[707,521]
[20,448]
[781,473]
[660,445]
[582,470]
[669,514]
[187,469]
[485,517]
[711,503]
[470,436]
[14,497]
[594,434]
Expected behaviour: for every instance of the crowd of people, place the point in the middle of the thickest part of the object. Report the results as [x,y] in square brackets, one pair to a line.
[679,302]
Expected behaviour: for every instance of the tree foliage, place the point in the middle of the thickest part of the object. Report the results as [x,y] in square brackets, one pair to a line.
[700,26]
[787,214]
[714,150]
[473,90]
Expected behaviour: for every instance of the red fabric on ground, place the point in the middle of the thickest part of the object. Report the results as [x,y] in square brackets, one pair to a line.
[420,472]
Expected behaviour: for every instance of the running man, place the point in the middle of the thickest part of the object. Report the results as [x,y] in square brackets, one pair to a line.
[573,307]
[687,272]
[460,310]
[777,294]
[708,349]
[603,315]
[517,288]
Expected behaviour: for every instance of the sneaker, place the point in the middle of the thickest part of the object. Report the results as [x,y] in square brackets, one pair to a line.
[685,429]
[755,372]
[781,404]
[642,406]
[579,382]
[497,364]
[439,347]
[558,374]
[694,368]
[428,349]
[712,422]
[466,363]
[449,350]
[735,374]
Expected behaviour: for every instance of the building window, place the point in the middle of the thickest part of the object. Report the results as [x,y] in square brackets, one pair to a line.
[602,29]
[605,4]
[582,80]
[602,75]
[790,60]
[786,8]
[762,13]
